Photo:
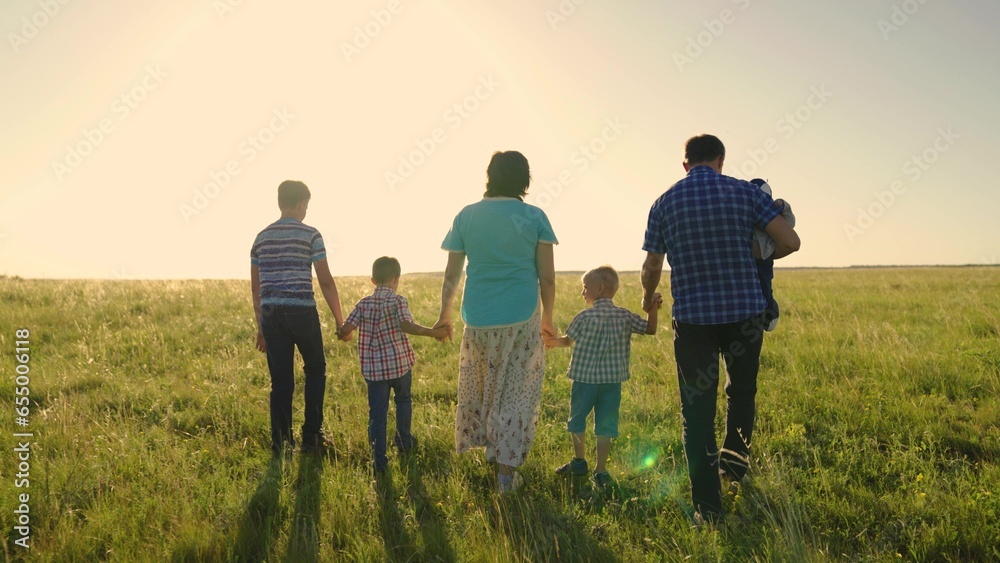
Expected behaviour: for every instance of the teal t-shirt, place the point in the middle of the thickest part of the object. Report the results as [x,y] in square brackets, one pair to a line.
[499,236]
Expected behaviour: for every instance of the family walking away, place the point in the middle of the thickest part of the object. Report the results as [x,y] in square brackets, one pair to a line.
[719,235]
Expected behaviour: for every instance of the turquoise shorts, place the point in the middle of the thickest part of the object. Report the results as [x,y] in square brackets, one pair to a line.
[602,398]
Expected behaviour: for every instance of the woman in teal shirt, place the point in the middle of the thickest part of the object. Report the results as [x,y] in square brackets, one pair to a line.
[506,307]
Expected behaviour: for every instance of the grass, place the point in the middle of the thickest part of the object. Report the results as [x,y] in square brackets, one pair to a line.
[878,435]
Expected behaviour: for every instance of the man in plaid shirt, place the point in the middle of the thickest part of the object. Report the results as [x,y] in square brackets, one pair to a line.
[704,226]
[602,336]
[383,320]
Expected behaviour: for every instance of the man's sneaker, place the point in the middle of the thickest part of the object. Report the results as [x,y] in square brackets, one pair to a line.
[510,483]
[316,443]
[602,479]
[576,467]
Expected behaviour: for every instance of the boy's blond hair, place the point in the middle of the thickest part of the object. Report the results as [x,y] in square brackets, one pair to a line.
[605,275]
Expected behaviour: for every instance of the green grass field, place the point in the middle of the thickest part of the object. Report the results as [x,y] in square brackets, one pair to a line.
[878,435]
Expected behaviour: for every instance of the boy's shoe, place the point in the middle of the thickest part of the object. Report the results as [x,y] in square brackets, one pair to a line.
[602,479]
[510,483]
[405,448]
[316,443]
[576,467]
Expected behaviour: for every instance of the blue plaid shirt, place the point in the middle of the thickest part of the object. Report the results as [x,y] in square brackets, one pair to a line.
[602,342]
[704,224]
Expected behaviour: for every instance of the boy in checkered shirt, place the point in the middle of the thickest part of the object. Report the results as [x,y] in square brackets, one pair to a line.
[602,336]
[383,320]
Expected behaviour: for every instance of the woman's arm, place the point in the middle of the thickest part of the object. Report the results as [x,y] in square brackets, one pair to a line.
[452,277]
[545,262]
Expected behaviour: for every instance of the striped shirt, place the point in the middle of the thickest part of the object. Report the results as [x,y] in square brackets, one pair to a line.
[704,224]
[284,252]
[602,342]
[383,348]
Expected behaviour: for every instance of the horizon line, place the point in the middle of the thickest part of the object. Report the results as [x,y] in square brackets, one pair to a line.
[559,272]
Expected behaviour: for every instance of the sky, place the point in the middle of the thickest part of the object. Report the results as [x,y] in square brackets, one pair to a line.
[146,140]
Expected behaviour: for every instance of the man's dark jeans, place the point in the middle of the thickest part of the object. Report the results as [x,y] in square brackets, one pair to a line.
[286,328]
[378,410]
[697,349]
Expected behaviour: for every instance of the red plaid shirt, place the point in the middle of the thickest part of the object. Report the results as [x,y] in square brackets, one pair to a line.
[384,350]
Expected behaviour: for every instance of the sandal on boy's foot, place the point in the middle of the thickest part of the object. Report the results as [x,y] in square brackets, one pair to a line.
[316,443]
[509,483]
[602,479]
[576,467]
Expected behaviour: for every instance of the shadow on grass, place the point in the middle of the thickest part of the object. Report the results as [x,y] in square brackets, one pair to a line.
[303,543]
[539,529]
[398,544]
[262,518]
[530,524]
[431,518]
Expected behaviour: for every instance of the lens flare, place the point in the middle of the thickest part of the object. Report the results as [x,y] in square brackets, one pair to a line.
[649,460]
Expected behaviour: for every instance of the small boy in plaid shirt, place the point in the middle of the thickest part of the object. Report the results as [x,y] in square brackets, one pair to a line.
[387,356]
[602,335]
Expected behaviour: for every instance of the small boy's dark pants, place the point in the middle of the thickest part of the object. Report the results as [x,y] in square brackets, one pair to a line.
[378,410]
[286,328]
[697,349]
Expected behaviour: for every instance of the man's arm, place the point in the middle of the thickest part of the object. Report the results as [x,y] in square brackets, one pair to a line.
[786,241]
[255,291]
[651,270]
[329,288]
[452,277]
[545,263]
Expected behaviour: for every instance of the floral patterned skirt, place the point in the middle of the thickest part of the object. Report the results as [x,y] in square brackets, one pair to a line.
[500,390]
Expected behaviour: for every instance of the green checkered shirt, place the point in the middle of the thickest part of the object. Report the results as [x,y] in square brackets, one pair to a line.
[602,342]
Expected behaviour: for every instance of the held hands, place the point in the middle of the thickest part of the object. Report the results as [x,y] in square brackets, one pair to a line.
[550,341]
[443,330]
[442,333]
[649,302]
[550,336]
[549,329]
[344,335]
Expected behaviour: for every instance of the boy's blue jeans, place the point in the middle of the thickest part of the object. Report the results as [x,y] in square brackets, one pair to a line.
[284,329]
[378,411]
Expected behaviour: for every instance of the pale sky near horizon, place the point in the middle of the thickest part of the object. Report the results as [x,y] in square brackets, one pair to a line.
[876,120]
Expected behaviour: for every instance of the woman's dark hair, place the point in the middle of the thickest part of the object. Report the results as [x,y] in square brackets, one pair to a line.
[508,175]
[703,148]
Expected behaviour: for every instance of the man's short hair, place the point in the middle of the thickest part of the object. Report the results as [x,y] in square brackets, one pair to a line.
[508,175]
[703,148]
[291,193]
[385,269]
[604,274]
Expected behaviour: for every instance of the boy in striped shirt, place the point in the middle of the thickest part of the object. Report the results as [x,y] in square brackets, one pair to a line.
[383,320]
[602,336]
[281,263]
